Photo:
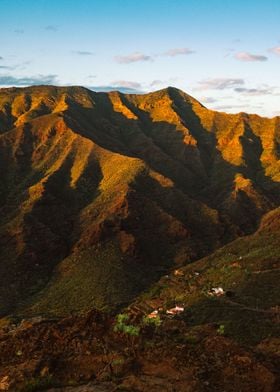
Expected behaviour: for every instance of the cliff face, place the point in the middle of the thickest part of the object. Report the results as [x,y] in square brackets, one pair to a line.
[102,193]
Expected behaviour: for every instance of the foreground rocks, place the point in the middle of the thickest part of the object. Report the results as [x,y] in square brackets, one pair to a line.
[84,354]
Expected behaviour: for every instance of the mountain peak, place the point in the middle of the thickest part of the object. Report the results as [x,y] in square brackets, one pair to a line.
[176,94]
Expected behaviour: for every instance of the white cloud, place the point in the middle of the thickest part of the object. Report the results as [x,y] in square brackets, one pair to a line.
[275,50]
[108,88]
[245,56]
[219,83]
[255,91]
[229,107]
[156,82]
[83,53]
[166,82]
[137,56]
[7,80]
[126,84]
[178,51]
[207,100]
[132,58]
[263,89]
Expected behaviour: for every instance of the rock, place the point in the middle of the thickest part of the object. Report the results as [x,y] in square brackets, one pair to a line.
[5,383]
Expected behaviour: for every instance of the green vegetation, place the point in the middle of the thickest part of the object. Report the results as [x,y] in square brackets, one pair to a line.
[248,270]
[102,194]
[95,278]
[39,384]
[152,321]
[122,326]
[221,330]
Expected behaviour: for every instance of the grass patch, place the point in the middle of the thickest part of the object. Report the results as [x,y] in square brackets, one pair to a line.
[39,384]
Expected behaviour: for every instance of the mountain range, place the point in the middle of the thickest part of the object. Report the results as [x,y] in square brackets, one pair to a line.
[104,195]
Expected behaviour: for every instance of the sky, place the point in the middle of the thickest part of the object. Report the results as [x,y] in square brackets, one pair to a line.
[224,53]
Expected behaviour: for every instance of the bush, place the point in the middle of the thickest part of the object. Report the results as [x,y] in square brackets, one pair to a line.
[155,321]
[122,326]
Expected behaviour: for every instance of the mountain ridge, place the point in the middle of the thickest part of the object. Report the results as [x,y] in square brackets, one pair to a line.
[82,168]
[154,92]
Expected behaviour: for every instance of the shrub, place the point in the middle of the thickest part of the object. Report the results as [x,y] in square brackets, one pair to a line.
[155,321]
[221,330]
[122,326]
[130,331]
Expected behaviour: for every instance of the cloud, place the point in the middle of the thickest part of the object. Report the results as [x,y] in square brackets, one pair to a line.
[83,53]
[19,31]
[51,28]
[91,77]
[12,67]
[219,83]
[126,84]
[255,91]
[19,66]
[122,89]
[228,52]
[1,58]
[132,58]
[245,56]
[275,50]
[137,56]
[208,100]
[167,82]
[177,52]
[229,107]
[7,80]
[244,107]
[5,67]
[156,82]
[22,65]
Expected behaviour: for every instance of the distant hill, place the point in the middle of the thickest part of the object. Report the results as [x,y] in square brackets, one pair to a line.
[102,194]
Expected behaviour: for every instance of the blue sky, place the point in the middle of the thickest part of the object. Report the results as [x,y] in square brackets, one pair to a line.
[225,53]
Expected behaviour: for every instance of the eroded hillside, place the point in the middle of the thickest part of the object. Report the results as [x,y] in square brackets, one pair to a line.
[102,193]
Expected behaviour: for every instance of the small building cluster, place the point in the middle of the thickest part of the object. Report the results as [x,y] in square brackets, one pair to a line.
[176,310]
[153,315]
[172,312]
[216,292]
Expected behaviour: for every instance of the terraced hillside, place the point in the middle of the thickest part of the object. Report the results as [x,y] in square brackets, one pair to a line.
[217,343]
[247,270]
[103,193]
